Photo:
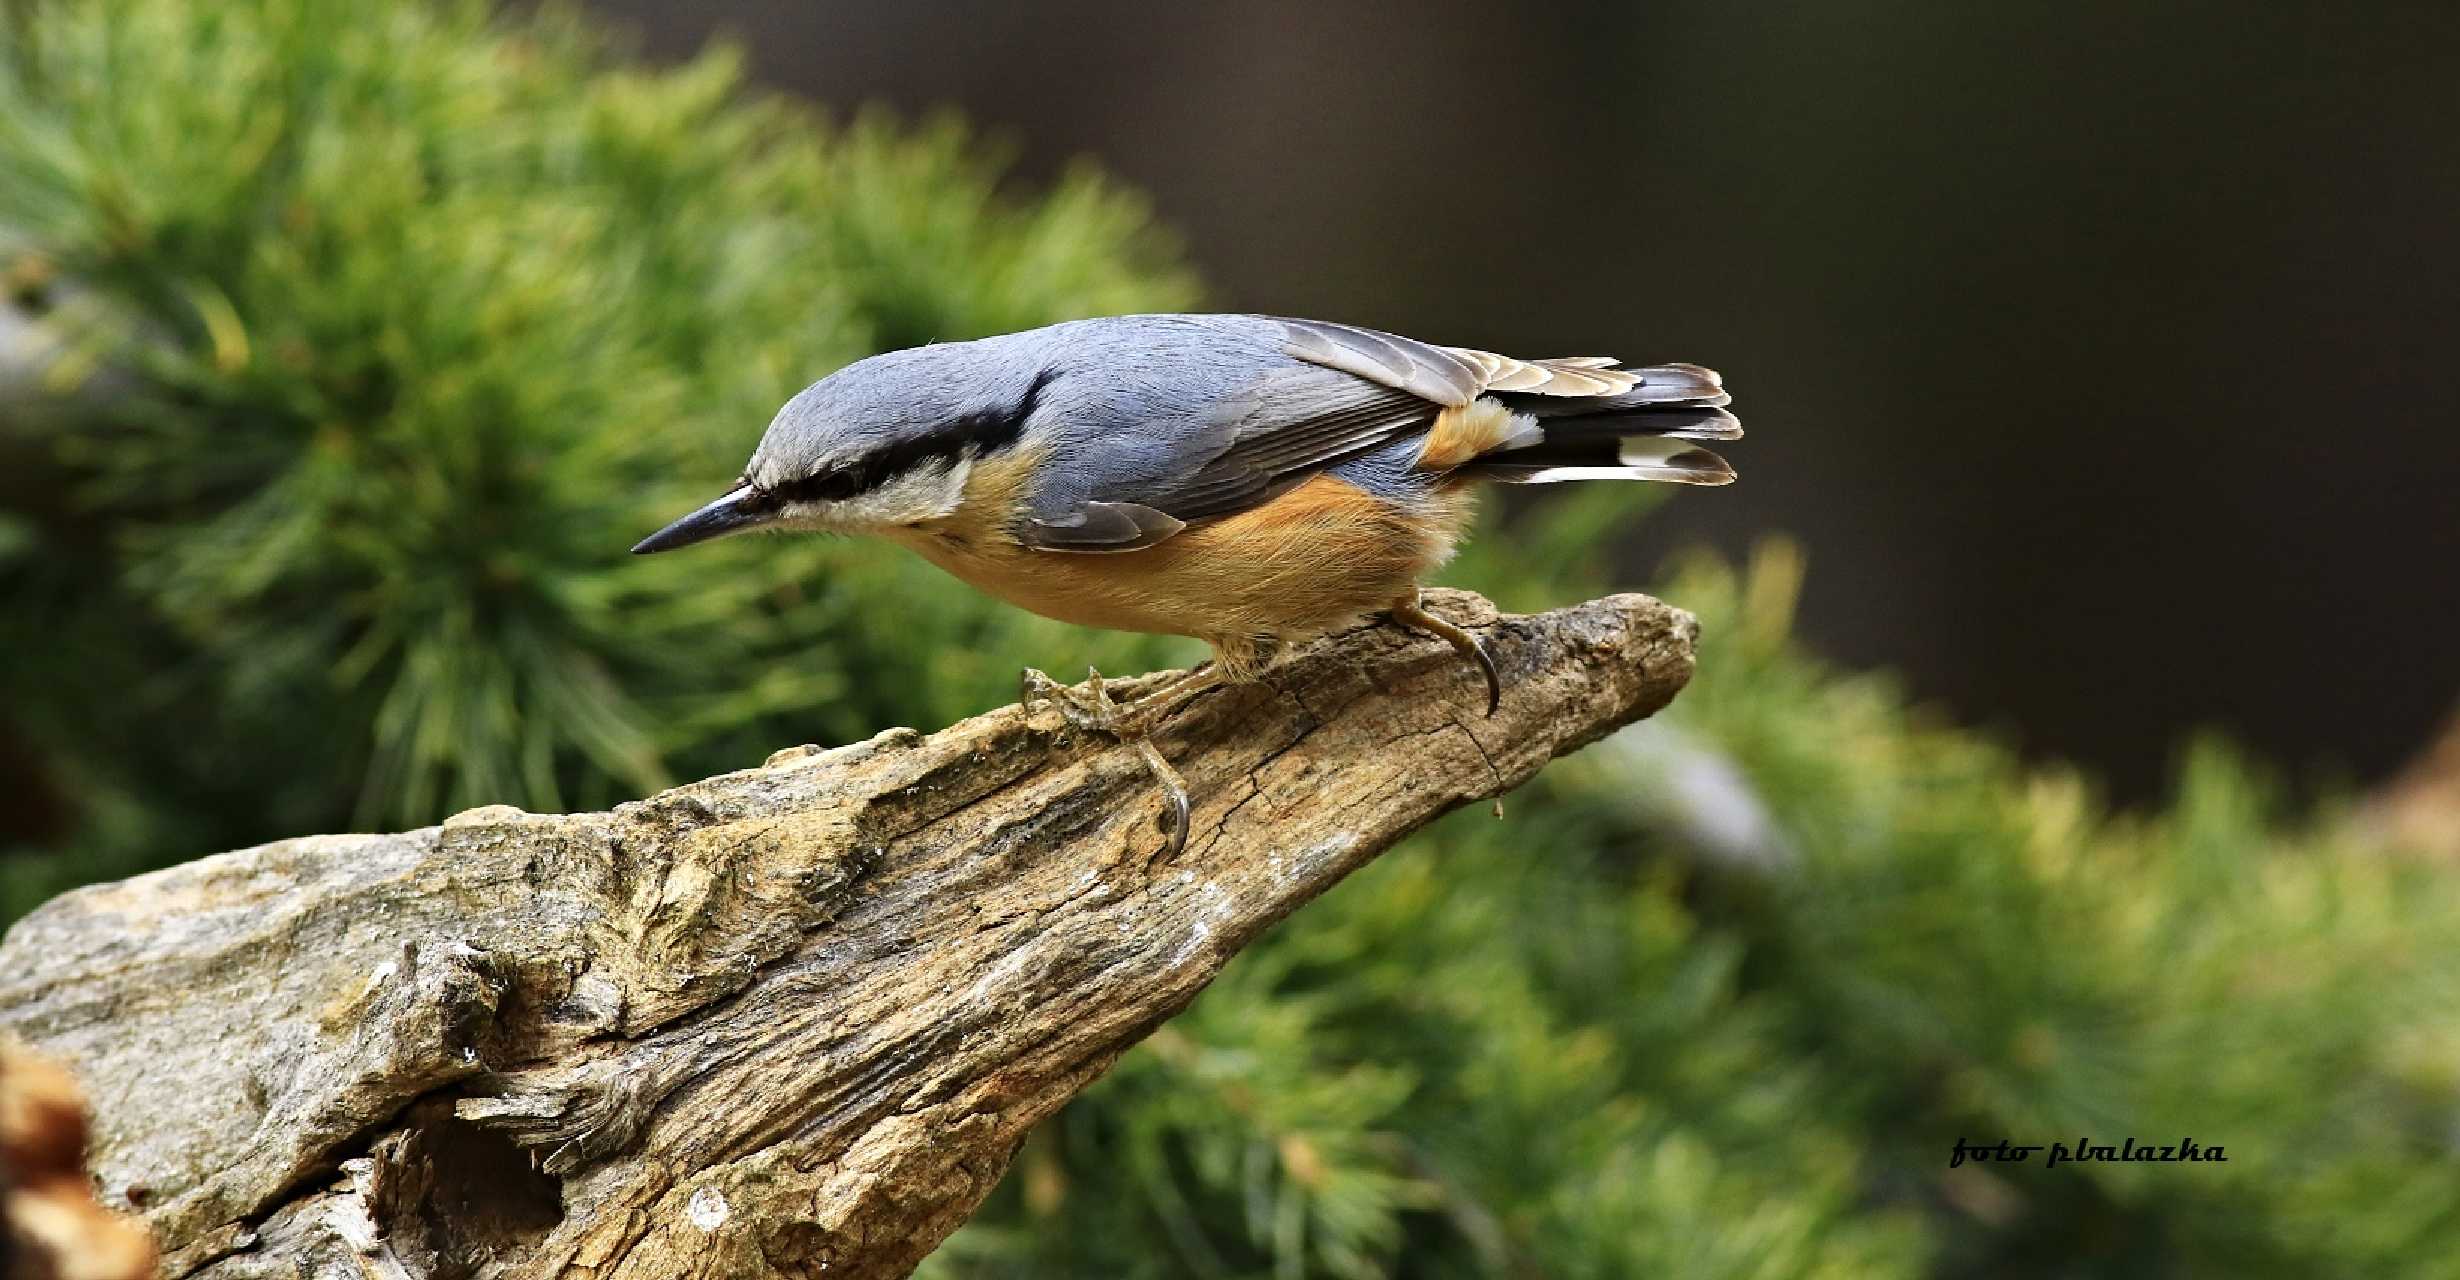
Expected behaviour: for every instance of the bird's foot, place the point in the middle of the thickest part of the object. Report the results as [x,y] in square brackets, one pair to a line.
[1091,708]
[1083,708]
[1407,613]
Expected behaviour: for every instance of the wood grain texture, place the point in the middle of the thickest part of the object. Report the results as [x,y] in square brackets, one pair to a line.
[791,1021]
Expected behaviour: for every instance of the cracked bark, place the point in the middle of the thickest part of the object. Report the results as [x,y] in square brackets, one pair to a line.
[790,1021]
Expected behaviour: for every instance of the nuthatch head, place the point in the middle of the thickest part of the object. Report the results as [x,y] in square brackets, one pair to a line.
[1246,480]
[876,446]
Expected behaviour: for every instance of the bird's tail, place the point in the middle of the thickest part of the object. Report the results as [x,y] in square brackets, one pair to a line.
[1643,431]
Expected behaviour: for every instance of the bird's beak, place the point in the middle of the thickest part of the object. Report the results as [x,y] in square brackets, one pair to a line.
[742,508]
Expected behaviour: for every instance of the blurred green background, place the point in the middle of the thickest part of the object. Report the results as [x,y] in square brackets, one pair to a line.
[347,346]
[2097,350]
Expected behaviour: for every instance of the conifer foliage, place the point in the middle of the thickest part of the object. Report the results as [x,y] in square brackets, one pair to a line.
[416,317]
[349,346]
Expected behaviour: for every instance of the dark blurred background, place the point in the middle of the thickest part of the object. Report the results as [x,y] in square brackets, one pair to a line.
[2100,354]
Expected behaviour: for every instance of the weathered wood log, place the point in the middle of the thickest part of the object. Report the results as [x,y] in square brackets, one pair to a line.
[787,1021]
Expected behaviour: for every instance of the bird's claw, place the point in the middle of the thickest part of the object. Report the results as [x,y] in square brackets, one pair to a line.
[1091,708]
[1173,789]
[1408,614]
[1084,709]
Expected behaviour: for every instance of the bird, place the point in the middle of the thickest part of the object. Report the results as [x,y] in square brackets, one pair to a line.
[1250,481]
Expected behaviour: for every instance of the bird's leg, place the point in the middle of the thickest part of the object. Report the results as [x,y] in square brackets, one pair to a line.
[1159,697]
[1135,729]
[1097,707]
[1092,708]
[1407,613]
[1032,686]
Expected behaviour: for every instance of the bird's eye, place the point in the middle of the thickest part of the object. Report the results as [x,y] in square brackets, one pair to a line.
[835,484]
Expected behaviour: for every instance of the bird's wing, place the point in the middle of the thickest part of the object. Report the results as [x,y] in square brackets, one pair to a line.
[1147,477]
[1437,375]
[1449,376]
[1328,392]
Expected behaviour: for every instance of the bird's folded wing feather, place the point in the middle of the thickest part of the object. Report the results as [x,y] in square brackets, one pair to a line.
[1341,391]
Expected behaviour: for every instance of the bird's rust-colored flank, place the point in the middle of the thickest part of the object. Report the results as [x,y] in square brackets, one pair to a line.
[1310,560]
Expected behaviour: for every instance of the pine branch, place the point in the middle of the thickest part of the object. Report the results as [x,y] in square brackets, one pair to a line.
[793,1017]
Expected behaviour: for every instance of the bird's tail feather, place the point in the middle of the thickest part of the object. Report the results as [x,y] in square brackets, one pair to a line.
[1639,433]
[1607,458]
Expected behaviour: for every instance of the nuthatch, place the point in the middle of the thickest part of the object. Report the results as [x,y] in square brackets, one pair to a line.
[1245,480]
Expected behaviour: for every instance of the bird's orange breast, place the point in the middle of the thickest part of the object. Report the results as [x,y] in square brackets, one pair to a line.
[1310,560]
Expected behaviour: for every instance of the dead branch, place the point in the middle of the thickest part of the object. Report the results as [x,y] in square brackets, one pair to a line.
[790,1021]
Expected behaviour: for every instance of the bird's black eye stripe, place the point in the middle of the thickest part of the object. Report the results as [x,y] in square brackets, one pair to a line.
[985,431]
